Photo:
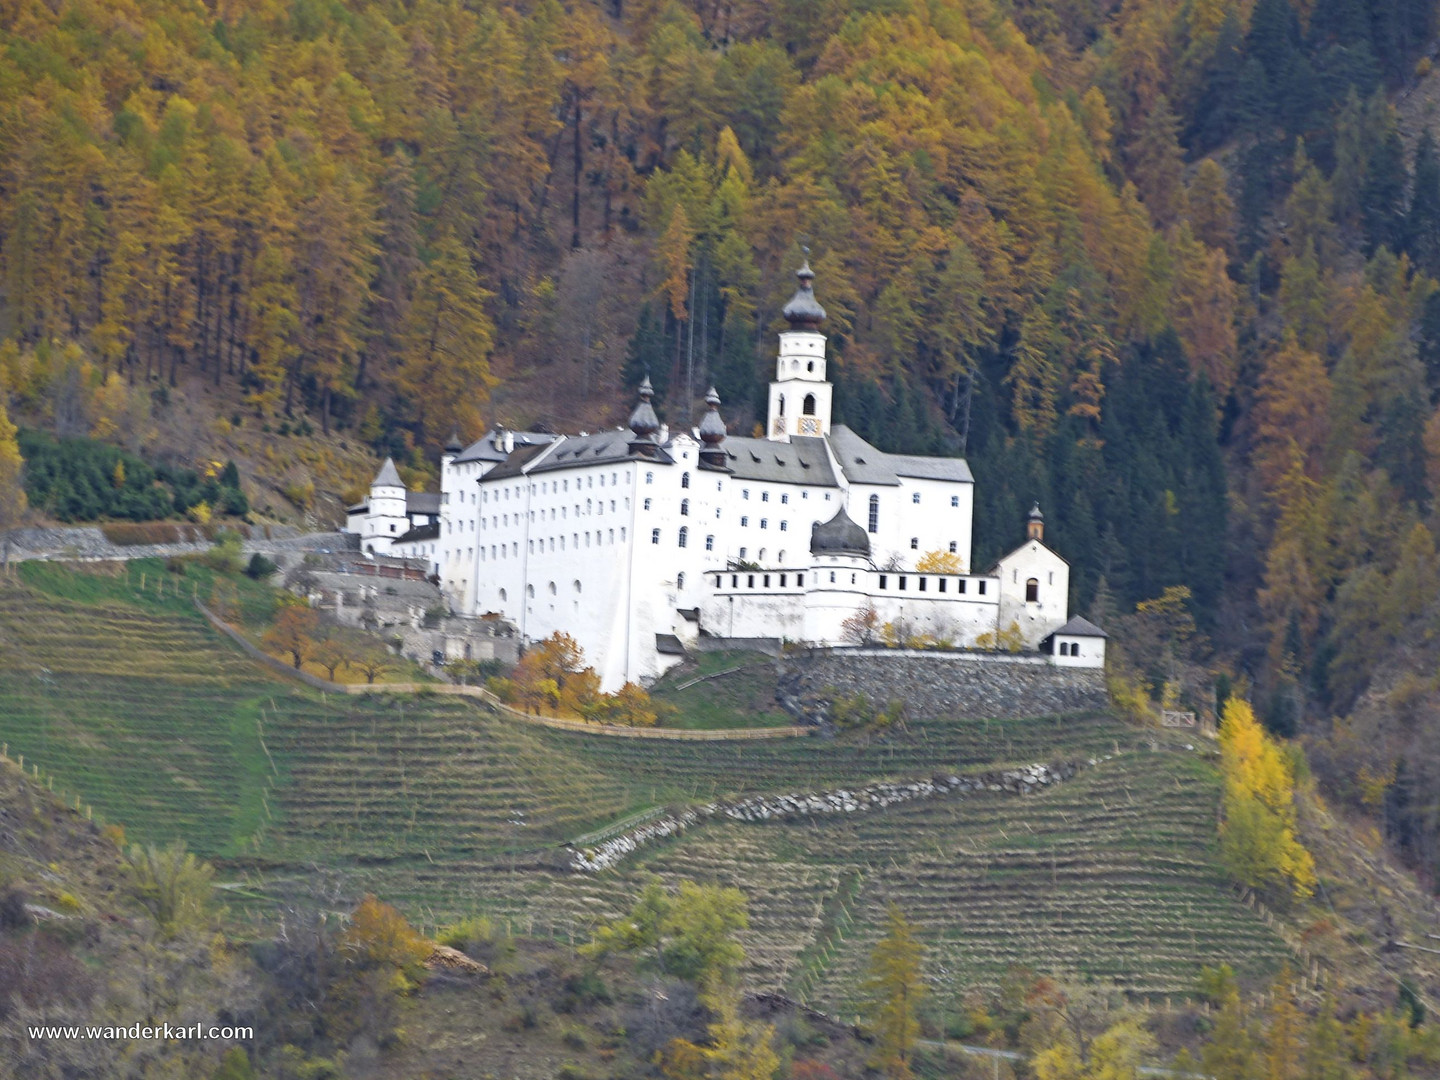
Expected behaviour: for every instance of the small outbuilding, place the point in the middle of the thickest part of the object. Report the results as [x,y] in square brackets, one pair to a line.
[1079,643]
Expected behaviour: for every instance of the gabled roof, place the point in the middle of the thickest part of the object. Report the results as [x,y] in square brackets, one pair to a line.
[863,463]
[484,448]
[802,460]
[995,566]
[388,476]
[601,448]
[1080,627]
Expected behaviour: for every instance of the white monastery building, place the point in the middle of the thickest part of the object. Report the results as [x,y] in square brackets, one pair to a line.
[639,540]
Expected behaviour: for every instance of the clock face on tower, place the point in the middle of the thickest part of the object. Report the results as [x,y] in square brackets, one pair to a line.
[808,425]
[778,428]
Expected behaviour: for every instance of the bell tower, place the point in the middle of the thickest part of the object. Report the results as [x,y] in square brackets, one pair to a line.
[800,396]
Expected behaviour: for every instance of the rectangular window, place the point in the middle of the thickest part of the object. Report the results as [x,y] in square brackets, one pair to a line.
[782,581]
[884,581]
[942,585]
[960,586]
[902,581]
[922,584]
[734,581]
[800,580]
[767,581]
[750,581]
[981,590]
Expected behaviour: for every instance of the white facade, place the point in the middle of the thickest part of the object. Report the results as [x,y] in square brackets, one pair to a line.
[634,541]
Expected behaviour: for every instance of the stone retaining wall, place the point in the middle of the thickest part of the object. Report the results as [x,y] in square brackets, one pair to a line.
[87,543]
[932,684]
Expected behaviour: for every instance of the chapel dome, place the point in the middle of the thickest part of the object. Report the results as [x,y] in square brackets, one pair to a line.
[839,536]
[804,312]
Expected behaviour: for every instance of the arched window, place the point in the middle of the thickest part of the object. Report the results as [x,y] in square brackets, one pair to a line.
[683,537]
[685,480]
[810,366]
[649,478]
[781,411]
[784,525]
[680,580]
[809,406]
[503,597]
[550,588]
[874,513]
[684,507]
[761,555]
[577,584]
[1032,590]
[654,536]
[530,591]
[764,523]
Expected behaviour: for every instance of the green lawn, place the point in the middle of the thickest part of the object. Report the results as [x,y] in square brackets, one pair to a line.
[735,690]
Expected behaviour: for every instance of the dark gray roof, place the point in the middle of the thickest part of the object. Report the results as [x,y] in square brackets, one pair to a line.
[514,464]
[422,502]
[358,508]
[420,532]
[669,645]
[1081,627]
[839,536]
[866,464]
[602,447]
[484,448]
[804,311]
[573,452]
[800,461]
[388,476]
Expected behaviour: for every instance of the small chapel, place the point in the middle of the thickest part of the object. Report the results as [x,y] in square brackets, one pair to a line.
[639,541]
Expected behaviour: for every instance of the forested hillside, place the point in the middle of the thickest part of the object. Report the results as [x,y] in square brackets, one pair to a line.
[1167,266]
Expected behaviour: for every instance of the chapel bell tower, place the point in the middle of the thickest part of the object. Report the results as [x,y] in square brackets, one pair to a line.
[800,395]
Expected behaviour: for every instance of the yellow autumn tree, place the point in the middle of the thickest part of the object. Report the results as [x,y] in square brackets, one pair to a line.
[12,489]
[939,562]
[1257,838]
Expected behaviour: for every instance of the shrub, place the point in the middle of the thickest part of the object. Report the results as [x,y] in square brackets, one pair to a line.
[379,937]
[260,567]
[172,884]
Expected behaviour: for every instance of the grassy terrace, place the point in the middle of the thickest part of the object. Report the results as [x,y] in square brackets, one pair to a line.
[133,701]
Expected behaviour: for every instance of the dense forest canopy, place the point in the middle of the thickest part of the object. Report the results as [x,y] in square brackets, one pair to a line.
[1167,266]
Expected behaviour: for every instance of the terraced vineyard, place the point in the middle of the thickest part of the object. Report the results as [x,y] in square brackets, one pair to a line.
[133,701]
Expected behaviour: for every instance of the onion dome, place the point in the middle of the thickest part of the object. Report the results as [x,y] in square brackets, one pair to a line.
[1035,524]
[839,536]
[712,432]
[453,445]
[643,421]
[804,312]
[712,428]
